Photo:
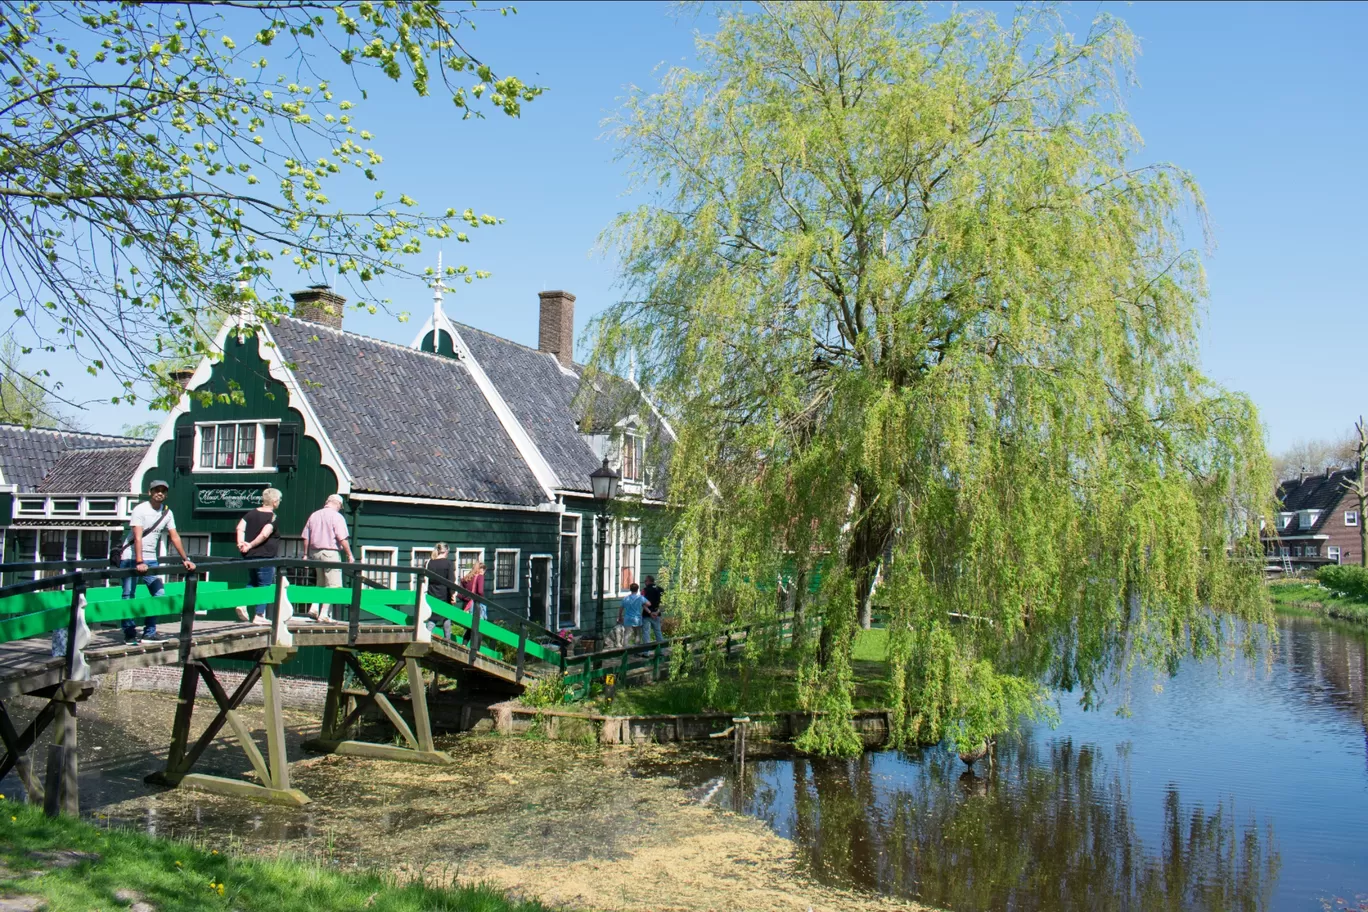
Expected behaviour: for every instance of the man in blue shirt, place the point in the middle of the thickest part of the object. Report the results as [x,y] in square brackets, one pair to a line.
[630,615]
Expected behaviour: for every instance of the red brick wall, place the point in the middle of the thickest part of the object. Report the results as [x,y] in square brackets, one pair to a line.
[1346,537]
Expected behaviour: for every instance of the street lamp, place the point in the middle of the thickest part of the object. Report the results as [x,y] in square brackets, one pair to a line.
[603,481]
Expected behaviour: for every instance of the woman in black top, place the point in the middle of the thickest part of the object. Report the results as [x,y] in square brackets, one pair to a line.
[258,538]
[444,567]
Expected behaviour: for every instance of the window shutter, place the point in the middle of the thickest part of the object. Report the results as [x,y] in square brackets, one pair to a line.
[185,448]
[287,444]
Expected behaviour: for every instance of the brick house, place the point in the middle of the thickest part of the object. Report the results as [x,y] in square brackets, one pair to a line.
[1318,524]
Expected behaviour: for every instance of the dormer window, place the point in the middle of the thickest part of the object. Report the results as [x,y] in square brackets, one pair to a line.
[1285,520]
[633,456]
[1308,518]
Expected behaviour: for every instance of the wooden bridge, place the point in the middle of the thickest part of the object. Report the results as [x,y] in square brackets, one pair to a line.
[48,650]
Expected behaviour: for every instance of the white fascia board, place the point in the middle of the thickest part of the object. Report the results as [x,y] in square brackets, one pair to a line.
[527,449]
[266,347]
[418,339]
[547,507]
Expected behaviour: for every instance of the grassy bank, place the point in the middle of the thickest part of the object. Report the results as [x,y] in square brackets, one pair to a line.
[75,867]
[752,689]
[1311,596]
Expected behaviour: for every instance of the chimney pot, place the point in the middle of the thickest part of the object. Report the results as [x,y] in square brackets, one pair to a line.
[182,376]
[556,328]
[319,304]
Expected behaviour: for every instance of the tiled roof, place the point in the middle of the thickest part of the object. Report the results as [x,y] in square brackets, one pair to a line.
[405,422]
[542,397]
[94,470]
[1321,492]
[28,454]
[556,411]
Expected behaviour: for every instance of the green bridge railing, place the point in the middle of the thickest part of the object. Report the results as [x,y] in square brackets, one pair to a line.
[73,597]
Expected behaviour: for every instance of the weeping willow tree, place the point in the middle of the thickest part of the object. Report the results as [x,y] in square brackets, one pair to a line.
[927,335]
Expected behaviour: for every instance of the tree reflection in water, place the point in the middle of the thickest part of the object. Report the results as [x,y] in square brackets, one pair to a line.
[1052,832]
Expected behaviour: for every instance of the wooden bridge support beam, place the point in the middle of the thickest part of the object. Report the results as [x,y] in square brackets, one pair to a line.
[421,746]
[272,769]
[58,791]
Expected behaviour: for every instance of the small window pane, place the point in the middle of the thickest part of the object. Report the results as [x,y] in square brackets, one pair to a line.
[506,570]
[66,506]
[269,435]
[102,506]
[246,448]
[207,447]
[570,525]
[227,440]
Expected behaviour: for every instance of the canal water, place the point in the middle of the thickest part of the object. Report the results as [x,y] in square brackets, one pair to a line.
[1240,784]
[1235,785]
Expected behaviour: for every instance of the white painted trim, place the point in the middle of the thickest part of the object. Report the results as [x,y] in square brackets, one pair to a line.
[392,562]
[266,348]
[527,449]
[259,450]
[461,504]
[517,565]
[578,589]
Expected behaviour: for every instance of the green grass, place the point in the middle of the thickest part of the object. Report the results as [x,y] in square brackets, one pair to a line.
[1313,597]
[178,877]
[741,688]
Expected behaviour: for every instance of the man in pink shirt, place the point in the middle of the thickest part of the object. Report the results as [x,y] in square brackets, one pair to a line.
[325,539]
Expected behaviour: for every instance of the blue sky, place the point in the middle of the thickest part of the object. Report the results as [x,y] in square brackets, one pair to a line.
[1262,102]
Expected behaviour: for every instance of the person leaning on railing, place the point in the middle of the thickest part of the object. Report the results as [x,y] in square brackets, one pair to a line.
[151,520]
[325,539]
[258,538]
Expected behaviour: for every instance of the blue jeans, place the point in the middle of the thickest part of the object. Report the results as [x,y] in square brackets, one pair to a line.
[261,576]
[130,584]
[650,626]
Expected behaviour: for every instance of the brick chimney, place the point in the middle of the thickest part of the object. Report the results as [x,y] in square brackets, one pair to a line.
[556,330]
[319,304]
[182,375]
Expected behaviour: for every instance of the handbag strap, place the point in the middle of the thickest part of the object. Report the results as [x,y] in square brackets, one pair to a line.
[161,518]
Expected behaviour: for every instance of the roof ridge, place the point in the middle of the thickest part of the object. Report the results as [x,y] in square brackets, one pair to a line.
[384,342]
[527,348]
[46,430]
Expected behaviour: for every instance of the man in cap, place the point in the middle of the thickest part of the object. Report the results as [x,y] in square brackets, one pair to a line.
[151,520]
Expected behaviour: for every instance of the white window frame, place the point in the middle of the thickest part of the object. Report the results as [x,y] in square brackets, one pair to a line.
[578,536]
[391,553]
[1332,552]
[1307,518]
[418,563]
[257,458]
[457,555]
[618,528]
[517,566]
[1285,520]
[1351,517]
[635,440]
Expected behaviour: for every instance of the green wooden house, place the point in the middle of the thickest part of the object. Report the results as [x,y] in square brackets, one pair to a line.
[462,437]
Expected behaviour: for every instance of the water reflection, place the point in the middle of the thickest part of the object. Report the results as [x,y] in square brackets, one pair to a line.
[1052,831]
[1238,784]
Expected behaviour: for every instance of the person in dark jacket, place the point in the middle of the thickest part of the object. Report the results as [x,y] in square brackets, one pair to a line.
[444,566]
[650,615]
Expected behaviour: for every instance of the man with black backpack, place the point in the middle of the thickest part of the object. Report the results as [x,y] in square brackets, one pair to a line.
[150,520]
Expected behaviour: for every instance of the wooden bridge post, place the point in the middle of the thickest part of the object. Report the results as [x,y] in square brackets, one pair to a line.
[275,720]
[333,704]
[61,794]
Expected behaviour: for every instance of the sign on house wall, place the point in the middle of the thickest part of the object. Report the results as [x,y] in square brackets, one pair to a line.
[235,498]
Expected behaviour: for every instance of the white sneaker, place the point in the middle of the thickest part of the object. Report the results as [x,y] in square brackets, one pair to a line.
[313,614]
[261,621]
[243,615]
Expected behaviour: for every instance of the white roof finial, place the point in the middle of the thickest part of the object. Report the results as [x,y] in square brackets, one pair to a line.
[437,289]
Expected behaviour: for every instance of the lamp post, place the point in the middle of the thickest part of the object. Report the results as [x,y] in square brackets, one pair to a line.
[603,481]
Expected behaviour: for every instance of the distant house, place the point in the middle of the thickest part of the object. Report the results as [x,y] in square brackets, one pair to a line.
[63,493]
[1318,523]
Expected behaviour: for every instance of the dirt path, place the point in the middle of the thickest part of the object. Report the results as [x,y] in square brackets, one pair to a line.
[572,826]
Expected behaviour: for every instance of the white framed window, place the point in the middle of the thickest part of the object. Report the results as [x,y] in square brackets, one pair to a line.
[418,559]
[1284,551]
[628,554]
[1333,553]
[196,548]
[31,506]
[466,558]
[568,576]
[1285,520]
[1351,517]
[240,446]
[633,455]
[380,557]
[293,547]
[506,562]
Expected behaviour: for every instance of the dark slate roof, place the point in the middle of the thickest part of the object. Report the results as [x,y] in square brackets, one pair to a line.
[404,421]
[28,454]
[94,470]
[1321,491]
[542,398]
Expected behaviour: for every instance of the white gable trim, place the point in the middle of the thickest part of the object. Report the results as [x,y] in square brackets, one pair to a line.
[545,507]
[266,348]
[527,449]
